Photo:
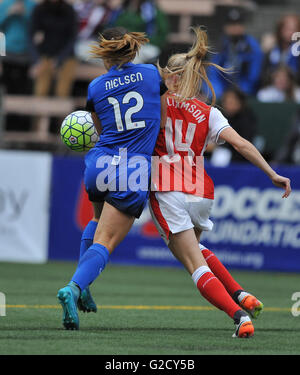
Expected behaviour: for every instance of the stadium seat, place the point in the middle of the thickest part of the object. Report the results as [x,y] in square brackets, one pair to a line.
[274,122]
[42,108]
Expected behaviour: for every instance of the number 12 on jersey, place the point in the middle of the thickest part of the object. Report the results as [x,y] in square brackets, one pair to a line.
[129,124]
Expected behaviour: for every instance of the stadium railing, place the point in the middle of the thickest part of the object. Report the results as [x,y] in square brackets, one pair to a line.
[274,119]
[41,109]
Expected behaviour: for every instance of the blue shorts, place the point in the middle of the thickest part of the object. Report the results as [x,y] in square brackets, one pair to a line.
[121,179]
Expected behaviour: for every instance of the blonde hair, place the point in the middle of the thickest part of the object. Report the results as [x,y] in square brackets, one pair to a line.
[192,68]
[118,46]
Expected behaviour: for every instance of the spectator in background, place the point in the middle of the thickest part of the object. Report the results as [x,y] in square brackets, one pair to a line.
[289,152]
[281,50]
[242,119]
[282,88]
[14,23]
[241,54]
[93,16]
[145,16]
[54,29]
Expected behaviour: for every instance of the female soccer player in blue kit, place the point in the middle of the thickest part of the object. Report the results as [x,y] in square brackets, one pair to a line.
[127,110]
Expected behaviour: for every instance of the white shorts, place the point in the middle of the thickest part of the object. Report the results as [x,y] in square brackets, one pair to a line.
[174,212]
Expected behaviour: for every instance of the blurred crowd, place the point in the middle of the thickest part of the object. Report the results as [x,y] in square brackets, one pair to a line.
[47,39]
[267,70]
[50,37]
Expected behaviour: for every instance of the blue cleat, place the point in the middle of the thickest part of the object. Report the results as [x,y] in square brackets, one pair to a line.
[68,297]
[85,301]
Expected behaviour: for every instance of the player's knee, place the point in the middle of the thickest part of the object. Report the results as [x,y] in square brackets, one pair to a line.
[106,239]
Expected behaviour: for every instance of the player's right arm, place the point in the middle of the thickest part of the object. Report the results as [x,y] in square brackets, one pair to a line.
[251,153]
[91,108]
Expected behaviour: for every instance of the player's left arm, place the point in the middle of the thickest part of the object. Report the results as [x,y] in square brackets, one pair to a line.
[251,153]
[96,122]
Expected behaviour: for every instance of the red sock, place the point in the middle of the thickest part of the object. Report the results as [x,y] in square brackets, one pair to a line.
[221,272]
[213,290]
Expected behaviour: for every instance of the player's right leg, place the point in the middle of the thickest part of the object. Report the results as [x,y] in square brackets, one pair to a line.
[117,216]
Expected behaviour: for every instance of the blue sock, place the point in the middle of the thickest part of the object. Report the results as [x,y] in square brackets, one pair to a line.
[90,265]
[87,237]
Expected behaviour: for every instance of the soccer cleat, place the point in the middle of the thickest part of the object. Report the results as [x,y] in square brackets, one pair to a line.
[252,305]
[68,297]
[243,325]
[85,301]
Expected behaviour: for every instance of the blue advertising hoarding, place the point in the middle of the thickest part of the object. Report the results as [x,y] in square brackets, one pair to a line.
[254,228]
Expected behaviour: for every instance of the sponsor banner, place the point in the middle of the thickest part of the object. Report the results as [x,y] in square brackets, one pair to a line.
[254,228]
[70,210]
[24,206]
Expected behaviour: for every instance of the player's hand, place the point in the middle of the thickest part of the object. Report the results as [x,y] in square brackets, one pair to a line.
[284,183]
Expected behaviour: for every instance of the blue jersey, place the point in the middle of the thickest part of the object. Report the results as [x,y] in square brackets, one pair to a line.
[127,102]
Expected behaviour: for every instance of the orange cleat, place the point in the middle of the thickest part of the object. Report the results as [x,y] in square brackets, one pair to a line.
[252,305]
[244,328]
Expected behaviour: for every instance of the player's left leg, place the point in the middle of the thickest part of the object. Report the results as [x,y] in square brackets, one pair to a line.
[86,302]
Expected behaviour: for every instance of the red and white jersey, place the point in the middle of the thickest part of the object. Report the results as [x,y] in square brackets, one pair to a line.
[178,157]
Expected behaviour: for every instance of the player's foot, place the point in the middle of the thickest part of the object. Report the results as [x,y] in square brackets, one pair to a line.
[68,297]
[85,301]
[252,305]
[243,325]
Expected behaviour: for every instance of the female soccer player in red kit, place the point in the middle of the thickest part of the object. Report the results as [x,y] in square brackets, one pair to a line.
[183,192]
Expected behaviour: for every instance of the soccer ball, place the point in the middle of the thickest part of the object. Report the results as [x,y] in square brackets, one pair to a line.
[78,131]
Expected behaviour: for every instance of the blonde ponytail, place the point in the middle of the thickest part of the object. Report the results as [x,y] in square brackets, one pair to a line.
[192,68]
[118,46]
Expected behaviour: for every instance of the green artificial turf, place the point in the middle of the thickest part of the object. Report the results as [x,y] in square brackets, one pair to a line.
[145,310]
